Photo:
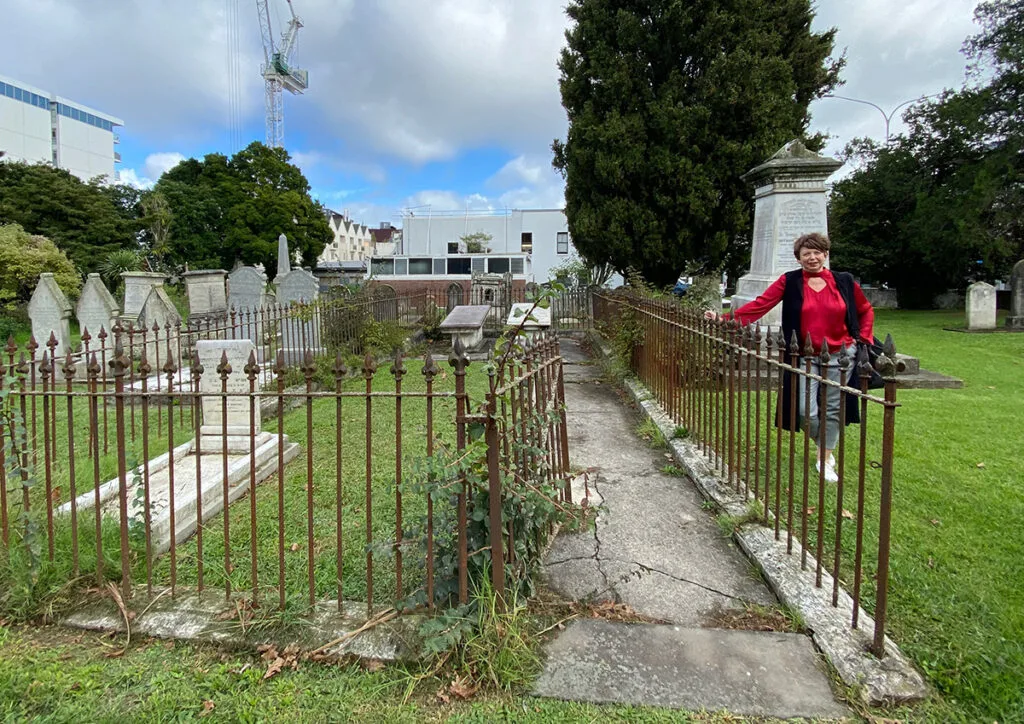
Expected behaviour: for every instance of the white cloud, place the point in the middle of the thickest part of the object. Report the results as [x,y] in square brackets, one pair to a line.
[155,166]
[131,177]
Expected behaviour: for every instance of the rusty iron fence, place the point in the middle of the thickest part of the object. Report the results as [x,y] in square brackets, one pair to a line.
[720,384]
[119,461]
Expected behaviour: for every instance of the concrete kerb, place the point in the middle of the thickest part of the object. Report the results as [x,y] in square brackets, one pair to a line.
[892,679]
[209,618]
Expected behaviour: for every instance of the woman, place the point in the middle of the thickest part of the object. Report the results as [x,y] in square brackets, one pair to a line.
[832,309]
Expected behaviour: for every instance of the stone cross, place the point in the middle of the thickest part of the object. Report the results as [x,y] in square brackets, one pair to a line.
[97,308]
[50,312]
[981,306]
[1016,318]
[789,201]
[284,264]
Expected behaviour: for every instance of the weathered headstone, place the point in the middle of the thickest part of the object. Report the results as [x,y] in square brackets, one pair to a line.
[1016,318]
[137,286]
[211,354]
[159,310]
[298,291]
[49,310]
[789,201]
[466,324]
[97,308]
[530,320]
[207,295]
[247,288]
[981,306]
[284,264]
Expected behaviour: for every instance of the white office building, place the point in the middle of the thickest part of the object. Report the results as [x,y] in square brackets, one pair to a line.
[37,126]
[528,243]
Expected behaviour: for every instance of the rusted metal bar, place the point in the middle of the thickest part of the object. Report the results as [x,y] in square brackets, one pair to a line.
[308,370]
[430,371]
[369,368]
[45,368]
[864,372]
[119,365]
[144,372]
[844,366]
[252,371]
[887,364]
[808,355]
[823,364]
[94,414]
[398,370]
[279,371]
[169,370]
[69,376]
[196,377]
[340,371]
[103,336]
[794,360]
[223,371]
[494,495]
[459,363]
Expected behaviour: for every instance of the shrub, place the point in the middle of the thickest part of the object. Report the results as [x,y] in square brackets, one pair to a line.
[23,257]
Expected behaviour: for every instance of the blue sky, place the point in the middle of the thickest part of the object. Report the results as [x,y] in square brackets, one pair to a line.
[446,104]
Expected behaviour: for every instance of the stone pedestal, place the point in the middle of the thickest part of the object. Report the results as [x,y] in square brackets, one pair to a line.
[1016,319]
[981,306]
[137,286]
[207,294]
[789,201]
[50,313]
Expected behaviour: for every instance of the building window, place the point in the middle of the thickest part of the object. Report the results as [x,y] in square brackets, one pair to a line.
[518,265]
[439,267]
[497,265]
[401,266]
[527,243]
[478,264]
[382,267]
[562,242]
[419,266]
[453,247]
[458,266]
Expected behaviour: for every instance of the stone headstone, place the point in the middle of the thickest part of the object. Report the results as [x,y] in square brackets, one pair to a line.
[789,201]
[50,312]
[247,288]
[137,286]
[284,264]
[207,295]
[158,309]
[466,323]
[981,306]
[1016,318]
[97,308]
[211,353]
[529,319]
[300,331]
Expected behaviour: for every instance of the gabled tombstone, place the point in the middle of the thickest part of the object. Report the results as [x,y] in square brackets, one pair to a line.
[159,310]
[97,308]
[50,312]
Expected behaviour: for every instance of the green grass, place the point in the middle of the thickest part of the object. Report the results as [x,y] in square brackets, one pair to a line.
[50,674]
[957,593]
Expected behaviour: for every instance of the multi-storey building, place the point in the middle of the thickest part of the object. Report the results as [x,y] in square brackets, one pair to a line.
[37,126]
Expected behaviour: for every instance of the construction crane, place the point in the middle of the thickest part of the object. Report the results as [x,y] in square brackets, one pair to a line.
[278,72]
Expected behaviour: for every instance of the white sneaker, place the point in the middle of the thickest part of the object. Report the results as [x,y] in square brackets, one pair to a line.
[830,471]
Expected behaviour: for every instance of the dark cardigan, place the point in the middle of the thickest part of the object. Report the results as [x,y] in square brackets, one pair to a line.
[792,307]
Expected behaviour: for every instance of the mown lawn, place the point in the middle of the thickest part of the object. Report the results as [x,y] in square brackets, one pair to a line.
[956,601]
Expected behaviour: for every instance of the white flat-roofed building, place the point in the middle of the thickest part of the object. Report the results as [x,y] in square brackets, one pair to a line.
[37,126]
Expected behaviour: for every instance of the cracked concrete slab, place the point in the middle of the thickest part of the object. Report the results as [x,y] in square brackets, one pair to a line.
[744,672]
[652,546]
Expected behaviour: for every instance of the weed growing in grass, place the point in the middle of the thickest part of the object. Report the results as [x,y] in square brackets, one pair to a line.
[680,433]
[673,470]
[731,523]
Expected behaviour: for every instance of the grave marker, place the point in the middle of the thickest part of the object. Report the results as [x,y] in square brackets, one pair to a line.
[97,308]
[981,306]
[1016,318]
[50,312]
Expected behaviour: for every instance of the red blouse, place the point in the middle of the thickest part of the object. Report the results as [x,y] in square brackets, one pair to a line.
[823,315]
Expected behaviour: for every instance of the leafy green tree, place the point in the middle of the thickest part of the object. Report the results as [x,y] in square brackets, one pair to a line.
[23,257]
[224,209]
[669,103]
[942,205]
[86,221]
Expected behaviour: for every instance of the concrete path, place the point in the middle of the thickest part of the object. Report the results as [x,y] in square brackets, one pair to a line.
[656,549]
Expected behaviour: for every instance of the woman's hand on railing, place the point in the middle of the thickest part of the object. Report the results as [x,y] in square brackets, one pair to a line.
[710,314]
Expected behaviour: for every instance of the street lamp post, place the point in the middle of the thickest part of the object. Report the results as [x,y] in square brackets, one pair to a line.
[887,116]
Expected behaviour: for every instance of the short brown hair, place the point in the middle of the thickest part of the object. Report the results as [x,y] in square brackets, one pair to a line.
[814,240]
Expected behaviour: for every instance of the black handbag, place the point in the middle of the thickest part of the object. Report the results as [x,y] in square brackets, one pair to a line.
[874,348]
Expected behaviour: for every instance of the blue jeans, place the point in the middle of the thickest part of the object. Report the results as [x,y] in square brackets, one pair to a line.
[832,398]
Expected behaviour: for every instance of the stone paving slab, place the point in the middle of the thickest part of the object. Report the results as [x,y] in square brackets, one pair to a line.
[745,672]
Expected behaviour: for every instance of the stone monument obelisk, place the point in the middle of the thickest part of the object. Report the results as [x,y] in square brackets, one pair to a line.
[284,263]
[789,200]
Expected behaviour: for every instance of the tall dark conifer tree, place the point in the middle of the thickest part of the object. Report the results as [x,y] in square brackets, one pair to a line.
[669,103]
